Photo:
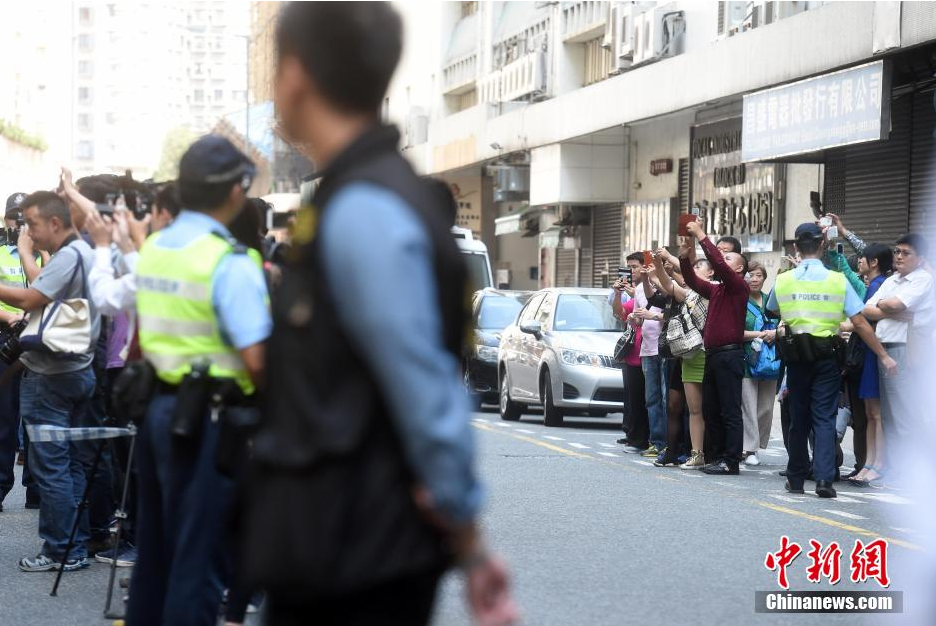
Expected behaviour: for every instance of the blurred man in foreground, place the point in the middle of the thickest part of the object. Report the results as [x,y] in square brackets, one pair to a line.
[363,491]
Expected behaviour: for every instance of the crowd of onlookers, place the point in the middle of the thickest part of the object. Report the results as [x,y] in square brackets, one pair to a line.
[704,374]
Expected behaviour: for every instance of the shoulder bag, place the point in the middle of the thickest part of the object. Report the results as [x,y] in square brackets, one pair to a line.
[64,325]
[764,364]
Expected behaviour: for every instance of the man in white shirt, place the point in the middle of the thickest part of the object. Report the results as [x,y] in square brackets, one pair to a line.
[905,310]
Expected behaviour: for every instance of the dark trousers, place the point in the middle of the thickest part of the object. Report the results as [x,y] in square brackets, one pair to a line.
[859,419]
[407,602]
[814,392]
[101,502]
[184,556]
[9,429]
[636,422]
[721,405]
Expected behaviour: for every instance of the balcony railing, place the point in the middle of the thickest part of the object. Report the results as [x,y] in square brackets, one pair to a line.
[522,79]
[582,21]
[460,77]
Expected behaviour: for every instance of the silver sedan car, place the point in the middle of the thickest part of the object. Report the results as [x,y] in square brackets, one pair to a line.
[558,353]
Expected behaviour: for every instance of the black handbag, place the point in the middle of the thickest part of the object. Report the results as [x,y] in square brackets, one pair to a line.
[855,351]
[625,343]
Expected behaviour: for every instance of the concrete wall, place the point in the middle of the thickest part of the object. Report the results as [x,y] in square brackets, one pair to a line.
[586,171]
[665,138]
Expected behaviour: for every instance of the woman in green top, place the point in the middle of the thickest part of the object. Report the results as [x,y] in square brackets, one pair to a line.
[757,395]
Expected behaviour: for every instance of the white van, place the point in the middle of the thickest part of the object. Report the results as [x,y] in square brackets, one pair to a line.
[476,257]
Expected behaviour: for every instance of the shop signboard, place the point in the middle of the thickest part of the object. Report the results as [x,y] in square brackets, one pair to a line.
[837,109]
[732,197]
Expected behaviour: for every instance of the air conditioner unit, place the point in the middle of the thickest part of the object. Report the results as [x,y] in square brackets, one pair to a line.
[417,127]
[659,33]
[731,17]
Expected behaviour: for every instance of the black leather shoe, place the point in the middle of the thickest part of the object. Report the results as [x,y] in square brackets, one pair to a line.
[622,441]
[720,469]
[824,489]
[790,488]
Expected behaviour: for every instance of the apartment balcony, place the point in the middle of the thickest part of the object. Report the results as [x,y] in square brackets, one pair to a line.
[460,77]
[584,21]
[523,79]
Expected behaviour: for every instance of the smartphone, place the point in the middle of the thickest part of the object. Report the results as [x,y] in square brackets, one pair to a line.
[825,221]
[840,248]
[684,221]
[647,258]
[626,274]
[832,232]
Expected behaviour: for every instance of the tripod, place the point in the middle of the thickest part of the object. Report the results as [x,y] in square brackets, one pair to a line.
[83,505]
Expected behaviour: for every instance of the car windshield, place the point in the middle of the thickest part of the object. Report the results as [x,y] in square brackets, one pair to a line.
[589,313]
[498,312]
[477,270]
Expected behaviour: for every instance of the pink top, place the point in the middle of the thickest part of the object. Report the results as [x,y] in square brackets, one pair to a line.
[633,357]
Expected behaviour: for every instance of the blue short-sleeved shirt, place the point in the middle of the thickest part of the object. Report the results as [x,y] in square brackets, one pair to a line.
[814,270]
[238,287]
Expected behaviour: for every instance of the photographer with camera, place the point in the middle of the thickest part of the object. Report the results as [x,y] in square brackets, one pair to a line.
[14,273]
[56,385]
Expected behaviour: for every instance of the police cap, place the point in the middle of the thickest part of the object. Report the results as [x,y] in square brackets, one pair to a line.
[808,231]
[213,160]
[14,204]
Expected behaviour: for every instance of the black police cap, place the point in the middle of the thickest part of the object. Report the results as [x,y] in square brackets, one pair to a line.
[14,203]
[214,159]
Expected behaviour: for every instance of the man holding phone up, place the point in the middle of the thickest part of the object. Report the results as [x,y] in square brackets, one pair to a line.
[724,356]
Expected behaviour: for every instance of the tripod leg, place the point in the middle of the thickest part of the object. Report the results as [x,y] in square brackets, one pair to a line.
[89,479]
[121,515]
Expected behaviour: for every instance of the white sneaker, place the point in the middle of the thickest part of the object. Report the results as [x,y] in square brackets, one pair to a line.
[752,459]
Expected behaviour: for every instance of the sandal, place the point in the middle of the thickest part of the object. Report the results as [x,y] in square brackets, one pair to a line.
[864,482]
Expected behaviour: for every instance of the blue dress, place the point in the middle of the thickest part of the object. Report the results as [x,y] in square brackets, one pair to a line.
[869,387]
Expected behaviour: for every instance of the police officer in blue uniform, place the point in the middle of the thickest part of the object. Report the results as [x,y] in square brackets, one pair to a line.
[203,321]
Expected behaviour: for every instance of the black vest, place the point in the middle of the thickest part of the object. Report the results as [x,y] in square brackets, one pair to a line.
[330,507]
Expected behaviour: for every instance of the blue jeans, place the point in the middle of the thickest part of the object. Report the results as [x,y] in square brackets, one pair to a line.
[655,394]
[814,394]
[184,553]
[59,468]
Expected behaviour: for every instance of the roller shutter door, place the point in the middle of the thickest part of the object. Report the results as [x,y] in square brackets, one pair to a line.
[565,268]
[923,167]
[606,238]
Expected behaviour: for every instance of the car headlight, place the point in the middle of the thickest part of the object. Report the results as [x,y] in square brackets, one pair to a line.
[487,353]
[577,357]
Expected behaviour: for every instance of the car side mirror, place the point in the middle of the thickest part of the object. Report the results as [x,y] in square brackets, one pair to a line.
[532,328]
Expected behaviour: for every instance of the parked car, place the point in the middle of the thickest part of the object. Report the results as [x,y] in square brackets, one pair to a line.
[558,353]
[492,311]
[476,257]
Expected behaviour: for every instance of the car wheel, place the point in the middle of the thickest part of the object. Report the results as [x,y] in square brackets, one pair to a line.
[510,411]
[552,415]
[474,399]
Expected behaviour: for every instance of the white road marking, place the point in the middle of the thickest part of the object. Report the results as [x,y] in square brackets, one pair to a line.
[647,463]
[905,530]
[607,445]
[887,498]
[844,514]
[523,430]
[609,454]
[480,420]
[503,424]
[785,498]
[692,474]
[580,446]
[842,498]
[553,438]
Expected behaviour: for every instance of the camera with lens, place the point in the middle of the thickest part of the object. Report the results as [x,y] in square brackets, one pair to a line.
[10,348]
[10,236]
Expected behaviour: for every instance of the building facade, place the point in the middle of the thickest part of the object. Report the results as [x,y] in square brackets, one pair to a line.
[585,128]
[144,68]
